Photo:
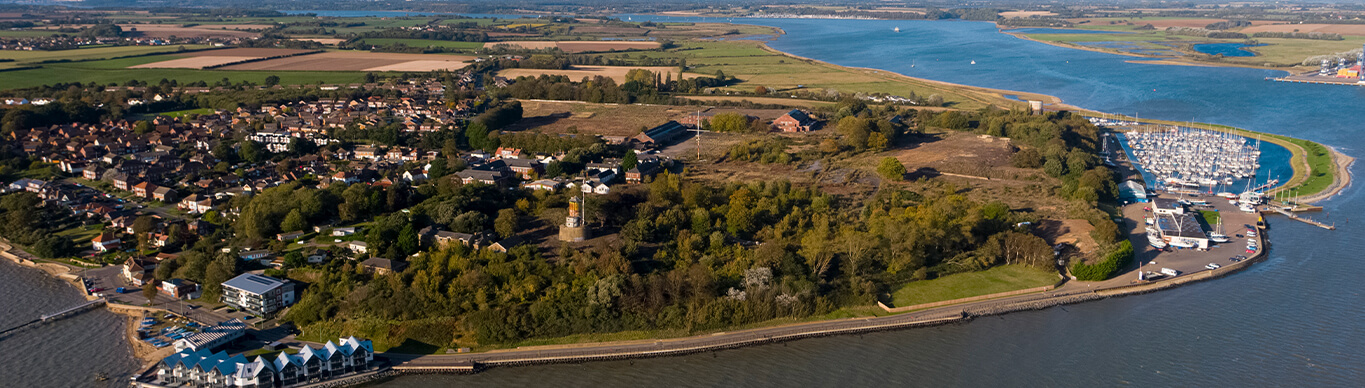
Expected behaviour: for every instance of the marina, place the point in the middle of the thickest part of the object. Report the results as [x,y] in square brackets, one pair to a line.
[1193,158]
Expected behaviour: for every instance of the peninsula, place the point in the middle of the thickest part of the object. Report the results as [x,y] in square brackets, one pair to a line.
[445,193]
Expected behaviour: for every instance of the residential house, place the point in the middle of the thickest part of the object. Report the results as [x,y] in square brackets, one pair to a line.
[358,246]
[105,242]
[316,256]
[795,120]
[382,266]
[139,271]
[346,231]
[180,289]
[163,194]
[291,236]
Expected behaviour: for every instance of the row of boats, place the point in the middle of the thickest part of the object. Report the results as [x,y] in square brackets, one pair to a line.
[1189,157]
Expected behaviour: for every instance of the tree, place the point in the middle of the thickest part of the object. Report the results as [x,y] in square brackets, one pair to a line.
[640,75]
[294,222]
[891,169]
[761,90]
[149,291]
[506,223]
[1054,167]
[272,80]
[294,260]
[855,131]
[629,160]
[224,152]
[730,122]
[254,152]
[1027,158]
[408,240]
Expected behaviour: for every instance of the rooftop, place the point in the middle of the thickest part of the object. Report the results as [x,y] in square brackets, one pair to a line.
[254,283]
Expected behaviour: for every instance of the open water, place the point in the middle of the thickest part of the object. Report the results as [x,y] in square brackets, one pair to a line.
[68,352]
[1297,319]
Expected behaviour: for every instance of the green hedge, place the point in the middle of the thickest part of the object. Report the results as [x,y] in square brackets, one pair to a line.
[1107,267]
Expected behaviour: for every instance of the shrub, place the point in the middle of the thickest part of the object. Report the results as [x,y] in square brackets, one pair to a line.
[1107,267]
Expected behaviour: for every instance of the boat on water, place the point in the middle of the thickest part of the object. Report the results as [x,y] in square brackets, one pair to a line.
[898,29]
[973,62]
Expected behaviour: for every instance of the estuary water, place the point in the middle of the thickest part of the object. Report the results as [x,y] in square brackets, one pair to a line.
[69,352]
[1297,319]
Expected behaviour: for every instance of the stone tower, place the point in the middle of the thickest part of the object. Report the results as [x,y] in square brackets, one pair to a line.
[573,229]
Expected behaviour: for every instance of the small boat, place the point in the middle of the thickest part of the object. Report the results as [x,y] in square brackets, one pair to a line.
[973,62]
[1218,238]
[1156,242]
[898,29]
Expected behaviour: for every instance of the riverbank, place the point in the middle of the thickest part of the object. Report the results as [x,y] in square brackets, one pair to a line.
[1071,293]
[1155,59]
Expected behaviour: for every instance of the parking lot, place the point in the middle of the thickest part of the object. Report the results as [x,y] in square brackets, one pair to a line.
[1189,261]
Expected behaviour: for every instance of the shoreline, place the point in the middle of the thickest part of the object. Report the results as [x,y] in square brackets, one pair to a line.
[1155,59]
[954,313]
[145,353]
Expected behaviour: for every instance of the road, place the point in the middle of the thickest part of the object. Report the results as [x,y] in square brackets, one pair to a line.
[110,278]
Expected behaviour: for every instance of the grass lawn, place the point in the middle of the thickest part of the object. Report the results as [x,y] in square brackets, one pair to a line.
[999,279]
[82,234]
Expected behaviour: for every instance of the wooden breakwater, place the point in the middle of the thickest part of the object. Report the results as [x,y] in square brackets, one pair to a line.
[1305,220]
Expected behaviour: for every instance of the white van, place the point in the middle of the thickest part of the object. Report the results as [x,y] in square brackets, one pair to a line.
[1170,272]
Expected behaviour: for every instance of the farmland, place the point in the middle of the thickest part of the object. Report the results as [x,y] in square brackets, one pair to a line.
[358,61]
[617,73]
[577,47]
[424,43]
[203,59]
[27,57]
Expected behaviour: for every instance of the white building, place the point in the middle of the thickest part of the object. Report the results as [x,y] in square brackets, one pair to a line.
[260,295]
[203,368]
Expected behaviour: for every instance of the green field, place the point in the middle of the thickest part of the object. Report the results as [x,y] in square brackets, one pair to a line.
[754,66]
[1276,52]
[965,285]
[106,72]
[21,57]
[424,43]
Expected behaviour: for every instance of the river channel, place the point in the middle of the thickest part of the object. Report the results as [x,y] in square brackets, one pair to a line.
[1298,319]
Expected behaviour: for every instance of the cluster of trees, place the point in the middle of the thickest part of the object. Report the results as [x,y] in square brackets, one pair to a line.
[1299,35]
[24,221]
[686,259]
[642,86]
[734,123]
[1194,31]
[1228,24]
